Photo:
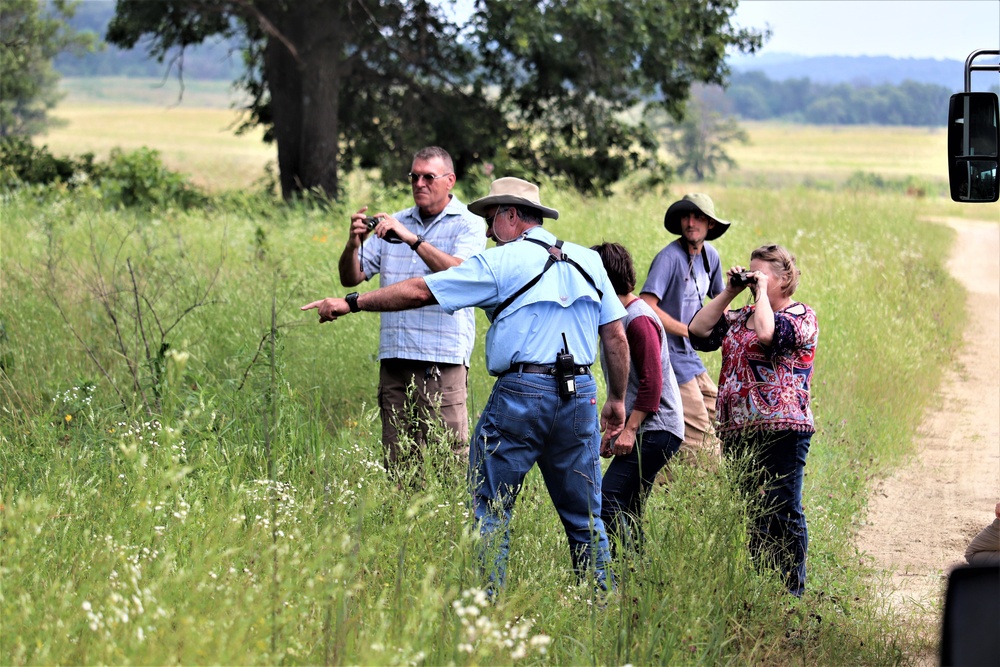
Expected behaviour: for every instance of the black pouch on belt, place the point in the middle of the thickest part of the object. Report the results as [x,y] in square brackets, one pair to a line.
[566,375]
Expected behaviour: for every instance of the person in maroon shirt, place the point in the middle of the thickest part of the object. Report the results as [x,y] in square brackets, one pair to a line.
[654,426]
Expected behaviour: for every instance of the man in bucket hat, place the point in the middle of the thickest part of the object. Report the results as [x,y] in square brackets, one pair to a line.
[548,301]
[684,274]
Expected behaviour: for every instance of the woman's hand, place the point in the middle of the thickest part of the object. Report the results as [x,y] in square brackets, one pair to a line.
[759,284]
[619,446]
[732,284]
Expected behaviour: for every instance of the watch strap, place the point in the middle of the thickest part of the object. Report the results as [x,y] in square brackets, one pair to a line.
[416,244]
[352,302]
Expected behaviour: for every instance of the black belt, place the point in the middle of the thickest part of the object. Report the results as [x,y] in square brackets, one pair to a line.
[542,370]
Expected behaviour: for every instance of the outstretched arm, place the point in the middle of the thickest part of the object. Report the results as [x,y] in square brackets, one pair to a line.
[670,325]
[405,295]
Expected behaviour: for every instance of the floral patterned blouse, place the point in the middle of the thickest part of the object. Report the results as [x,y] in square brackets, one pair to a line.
[765,388]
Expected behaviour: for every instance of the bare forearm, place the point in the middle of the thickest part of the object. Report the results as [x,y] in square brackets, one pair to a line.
[763,320]
[703,322]
[635,419]
[412,293]
[616,352]
[350,267]
[436,260]
[670,325]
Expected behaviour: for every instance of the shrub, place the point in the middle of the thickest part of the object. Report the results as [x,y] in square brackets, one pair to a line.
[28,164]
[139,179]
[133,179]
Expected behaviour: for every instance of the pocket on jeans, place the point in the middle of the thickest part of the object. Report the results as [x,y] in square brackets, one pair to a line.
[517,412]
[585,419]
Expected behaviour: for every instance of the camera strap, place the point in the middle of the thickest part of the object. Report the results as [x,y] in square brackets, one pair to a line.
[555,255]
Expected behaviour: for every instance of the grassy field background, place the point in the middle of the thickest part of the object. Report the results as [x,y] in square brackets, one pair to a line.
[222,501]
[192,128]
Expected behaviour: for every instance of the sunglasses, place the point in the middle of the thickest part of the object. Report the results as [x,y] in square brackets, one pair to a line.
[429,178]
[489,220]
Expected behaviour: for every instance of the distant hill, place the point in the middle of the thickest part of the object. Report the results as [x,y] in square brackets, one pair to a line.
[863,70]
[220,59]
[217,59]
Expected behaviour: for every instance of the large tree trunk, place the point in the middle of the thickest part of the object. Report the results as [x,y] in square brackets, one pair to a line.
[285,85]
[320,95]
[304,88]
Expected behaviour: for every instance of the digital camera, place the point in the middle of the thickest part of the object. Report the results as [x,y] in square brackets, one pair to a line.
[390,236]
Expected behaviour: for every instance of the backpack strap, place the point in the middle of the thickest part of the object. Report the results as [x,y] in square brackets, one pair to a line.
[555,255]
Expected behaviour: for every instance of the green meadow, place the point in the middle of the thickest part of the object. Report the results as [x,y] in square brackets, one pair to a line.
[190,468]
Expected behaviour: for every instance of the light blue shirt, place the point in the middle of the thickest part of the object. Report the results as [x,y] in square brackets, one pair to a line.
[426,334]
[531,329]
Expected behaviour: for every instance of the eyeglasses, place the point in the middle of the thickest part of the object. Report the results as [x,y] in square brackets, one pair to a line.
[489,220]
[430,178]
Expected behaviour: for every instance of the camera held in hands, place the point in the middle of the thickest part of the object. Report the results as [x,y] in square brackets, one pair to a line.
[390,235]
[743,278]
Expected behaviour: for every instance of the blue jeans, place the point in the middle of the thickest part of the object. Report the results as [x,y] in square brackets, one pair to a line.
[526,422]
[778,536]
[627,483]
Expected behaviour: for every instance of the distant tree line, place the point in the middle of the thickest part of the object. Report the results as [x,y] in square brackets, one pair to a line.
[218,60]
[753,96]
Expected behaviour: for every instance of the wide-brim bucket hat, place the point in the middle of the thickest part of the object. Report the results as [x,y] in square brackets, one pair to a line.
[512,191]
[701,203]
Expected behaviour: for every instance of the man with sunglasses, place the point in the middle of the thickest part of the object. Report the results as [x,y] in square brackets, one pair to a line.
[423,354]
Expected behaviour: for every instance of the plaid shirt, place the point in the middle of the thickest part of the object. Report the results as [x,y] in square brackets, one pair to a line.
[426,334]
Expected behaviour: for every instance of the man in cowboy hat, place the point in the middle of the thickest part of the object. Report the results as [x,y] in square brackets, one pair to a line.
[547,302]
[424,355]
[680,278]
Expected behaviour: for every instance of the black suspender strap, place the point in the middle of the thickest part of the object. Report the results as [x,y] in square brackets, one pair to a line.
[708,272]
[555,255]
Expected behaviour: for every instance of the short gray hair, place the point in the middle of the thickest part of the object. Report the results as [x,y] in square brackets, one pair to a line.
[431,152]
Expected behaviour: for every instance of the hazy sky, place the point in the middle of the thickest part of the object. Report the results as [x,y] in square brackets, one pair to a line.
[899,28]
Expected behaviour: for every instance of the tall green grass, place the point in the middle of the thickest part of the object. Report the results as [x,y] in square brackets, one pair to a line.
[247,520]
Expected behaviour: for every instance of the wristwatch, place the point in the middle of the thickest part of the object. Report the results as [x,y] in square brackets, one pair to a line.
[352,302]
[416,244]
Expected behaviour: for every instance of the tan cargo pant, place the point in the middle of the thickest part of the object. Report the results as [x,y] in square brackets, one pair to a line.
[701,447]
[416,396]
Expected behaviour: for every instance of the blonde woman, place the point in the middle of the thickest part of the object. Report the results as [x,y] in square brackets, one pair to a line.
[763,413]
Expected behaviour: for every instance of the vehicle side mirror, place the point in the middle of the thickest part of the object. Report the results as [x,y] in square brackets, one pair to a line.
[973,137]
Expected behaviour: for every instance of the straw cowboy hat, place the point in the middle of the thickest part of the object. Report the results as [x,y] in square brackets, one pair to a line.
[512,191]
[693,202]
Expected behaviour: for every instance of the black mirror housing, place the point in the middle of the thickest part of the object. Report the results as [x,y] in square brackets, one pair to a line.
[973,137]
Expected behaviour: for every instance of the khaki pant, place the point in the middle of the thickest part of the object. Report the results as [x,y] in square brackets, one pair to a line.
[414,397]
[700,446]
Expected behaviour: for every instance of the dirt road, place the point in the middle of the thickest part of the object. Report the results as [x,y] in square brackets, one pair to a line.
[922,517]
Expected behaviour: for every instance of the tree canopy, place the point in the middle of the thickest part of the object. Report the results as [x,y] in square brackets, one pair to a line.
[32,33]
[534,87]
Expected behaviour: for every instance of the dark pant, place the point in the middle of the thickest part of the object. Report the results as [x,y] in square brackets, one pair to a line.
[626,485]
[776,463]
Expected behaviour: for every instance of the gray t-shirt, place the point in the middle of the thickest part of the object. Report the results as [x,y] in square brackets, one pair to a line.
[669,416]
[681,285]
